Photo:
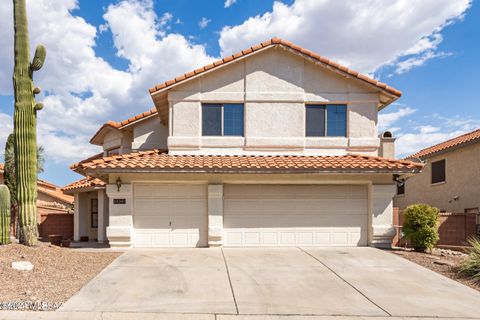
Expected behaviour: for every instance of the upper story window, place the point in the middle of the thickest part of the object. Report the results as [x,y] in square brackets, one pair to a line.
[326,120]
[438,171]
[223,119]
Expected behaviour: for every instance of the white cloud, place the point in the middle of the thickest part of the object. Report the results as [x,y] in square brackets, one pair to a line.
[386,120]
[82,89]
[228,3]
[364,35]
[203,23]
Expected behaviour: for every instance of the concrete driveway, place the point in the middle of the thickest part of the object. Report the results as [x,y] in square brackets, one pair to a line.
[274,281]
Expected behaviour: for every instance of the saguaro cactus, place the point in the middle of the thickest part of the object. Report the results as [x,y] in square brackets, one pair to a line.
[4,214]
[25,121]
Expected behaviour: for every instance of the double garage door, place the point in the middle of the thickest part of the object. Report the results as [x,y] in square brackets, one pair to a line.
[254,215]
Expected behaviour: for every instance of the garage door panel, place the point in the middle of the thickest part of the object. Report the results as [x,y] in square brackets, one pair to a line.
[170,215]
[290,215]
[295,191]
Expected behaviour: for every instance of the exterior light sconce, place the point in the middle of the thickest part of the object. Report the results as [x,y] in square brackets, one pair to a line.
[119,184]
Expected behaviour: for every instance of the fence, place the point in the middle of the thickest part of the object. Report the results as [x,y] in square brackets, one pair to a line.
[454,228]
[55,222]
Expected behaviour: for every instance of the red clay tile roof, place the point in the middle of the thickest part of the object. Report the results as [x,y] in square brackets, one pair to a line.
[88,182]
[278,42]
[122,124]
[466,138]
[57,194]
[161,161]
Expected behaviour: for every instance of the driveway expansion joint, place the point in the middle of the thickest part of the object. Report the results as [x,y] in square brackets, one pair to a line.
[344,280]
[229,281]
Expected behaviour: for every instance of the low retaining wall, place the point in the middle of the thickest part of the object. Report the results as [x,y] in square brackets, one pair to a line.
[454,228]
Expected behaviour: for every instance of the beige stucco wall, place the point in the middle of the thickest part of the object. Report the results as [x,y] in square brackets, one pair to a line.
[150,134]
[462,176]
[274,85]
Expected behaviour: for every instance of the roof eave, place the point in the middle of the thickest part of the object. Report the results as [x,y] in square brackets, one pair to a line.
[93,172]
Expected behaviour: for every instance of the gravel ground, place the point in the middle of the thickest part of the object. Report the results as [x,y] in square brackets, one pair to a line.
[58,273]
[441,261]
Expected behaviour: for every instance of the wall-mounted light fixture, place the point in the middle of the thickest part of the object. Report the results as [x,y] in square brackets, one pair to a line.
[119,184]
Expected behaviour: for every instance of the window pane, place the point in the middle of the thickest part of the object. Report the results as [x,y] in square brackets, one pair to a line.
[337,120]
[212,120]
[94,220]
[438,171]
[233,120]
[315,122]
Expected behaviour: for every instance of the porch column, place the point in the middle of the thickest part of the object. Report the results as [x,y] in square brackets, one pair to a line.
[76,217]
[79,216]
[215,215]
[101,216]
[120,207]
[382,215]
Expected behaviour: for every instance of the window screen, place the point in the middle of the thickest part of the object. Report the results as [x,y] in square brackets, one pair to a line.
[438,171]
[212,120]
[315,121]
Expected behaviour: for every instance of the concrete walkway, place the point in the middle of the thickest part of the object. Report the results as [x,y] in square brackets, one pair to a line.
[270,283]
[26,315]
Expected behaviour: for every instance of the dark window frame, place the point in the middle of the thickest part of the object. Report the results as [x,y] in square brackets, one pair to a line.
[94,213]
[222,119]
[435,176]
[325,108]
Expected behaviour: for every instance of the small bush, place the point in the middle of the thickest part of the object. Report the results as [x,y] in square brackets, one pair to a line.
[420,226]
[471,266]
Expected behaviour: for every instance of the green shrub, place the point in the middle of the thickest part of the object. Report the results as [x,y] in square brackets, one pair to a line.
[420,226]
[471,266]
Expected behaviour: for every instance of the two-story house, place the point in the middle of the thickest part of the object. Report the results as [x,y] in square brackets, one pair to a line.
[449,180]
[272,146]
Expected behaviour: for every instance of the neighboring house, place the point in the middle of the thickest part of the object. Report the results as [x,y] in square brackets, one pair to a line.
[450,178]
[54,208]
[272,146]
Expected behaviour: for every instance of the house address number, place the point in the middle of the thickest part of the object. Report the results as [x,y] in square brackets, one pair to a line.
[119,201]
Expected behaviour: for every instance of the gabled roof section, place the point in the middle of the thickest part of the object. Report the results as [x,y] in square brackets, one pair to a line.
[457,142]
[160,161]
[83,184]
[271,43]
[121,125]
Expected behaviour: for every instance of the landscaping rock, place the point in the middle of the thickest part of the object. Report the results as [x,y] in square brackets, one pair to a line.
[444,263]
[22,265]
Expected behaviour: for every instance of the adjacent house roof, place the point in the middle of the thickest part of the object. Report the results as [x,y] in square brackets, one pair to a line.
[160,161]
[49,189]
[85,183]
[464,139]
[122,124]
[55,193]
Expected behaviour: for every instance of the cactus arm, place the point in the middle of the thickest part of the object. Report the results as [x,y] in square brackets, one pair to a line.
[25,121]
[4,215]
[38,58]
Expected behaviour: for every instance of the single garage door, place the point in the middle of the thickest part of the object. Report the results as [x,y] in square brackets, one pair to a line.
[170,215]
[295,215]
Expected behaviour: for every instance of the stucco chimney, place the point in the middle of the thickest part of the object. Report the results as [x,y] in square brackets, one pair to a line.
[387,145]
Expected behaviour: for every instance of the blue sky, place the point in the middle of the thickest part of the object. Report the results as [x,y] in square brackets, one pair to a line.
[104,55]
